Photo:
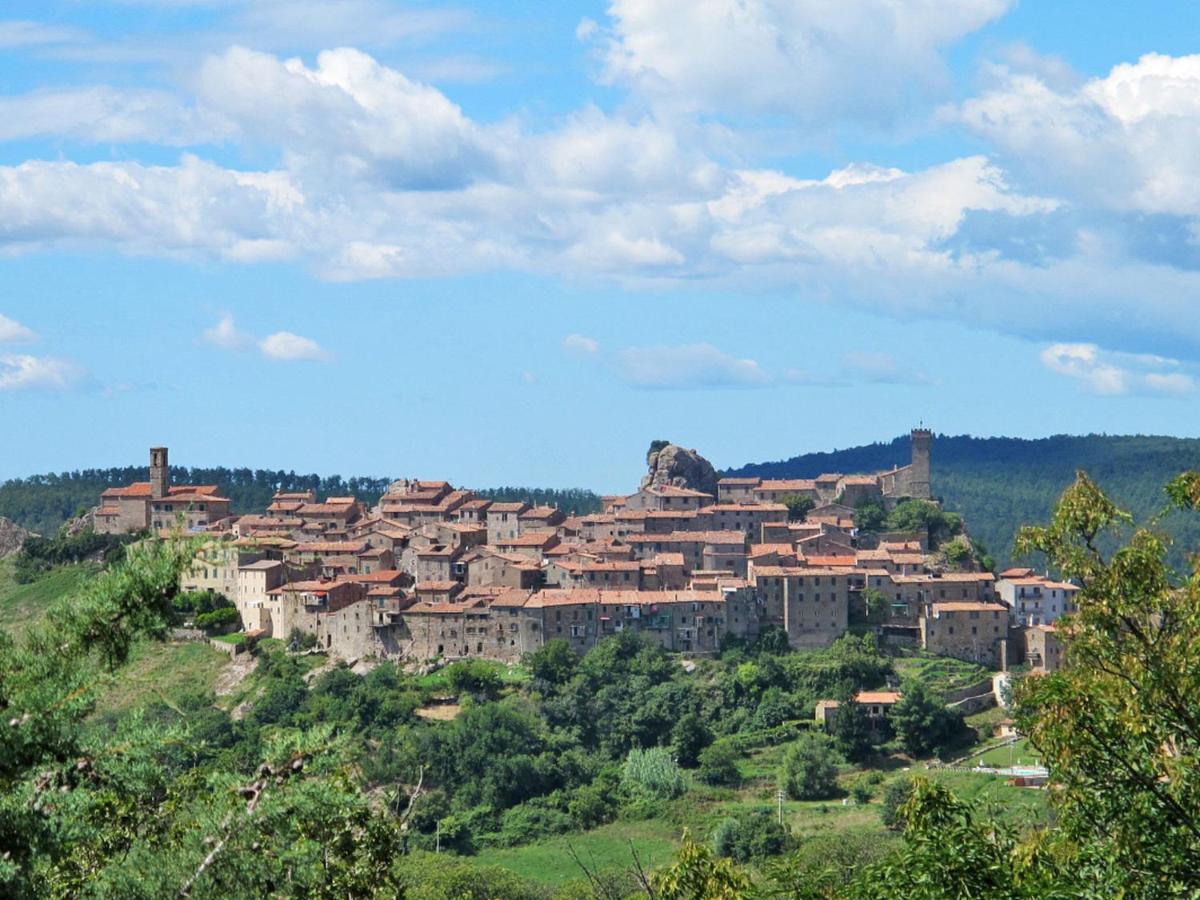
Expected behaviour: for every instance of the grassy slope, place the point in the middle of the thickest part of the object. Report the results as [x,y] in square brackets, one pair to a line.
[155,671]
[21,604]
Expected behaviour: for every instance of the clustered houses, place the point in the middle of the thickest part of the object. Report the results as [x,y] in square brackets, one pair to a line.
[434,571]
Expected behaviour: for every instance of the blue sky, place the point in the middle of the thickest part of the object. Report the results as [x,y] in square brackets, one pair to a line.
[514,242]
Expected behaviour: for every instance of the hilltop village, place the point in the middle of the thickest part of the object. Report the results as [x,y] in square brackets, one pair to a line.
[436,572]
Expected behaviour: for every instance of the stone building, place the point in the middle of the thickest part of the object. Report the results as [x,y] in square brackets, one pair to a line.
[976,632]
[158,505]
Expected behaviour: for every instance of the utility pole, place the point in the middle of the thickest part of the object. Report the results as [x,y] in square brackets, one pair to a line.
[779,800]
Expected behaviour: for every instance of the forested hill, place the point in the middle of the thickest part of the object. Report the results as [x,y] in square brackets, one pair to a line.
[999,484]
[42,503]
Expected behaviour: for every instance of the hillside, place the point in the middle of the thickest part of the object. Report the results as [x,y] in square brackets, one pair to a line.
[42,503]
[998,484]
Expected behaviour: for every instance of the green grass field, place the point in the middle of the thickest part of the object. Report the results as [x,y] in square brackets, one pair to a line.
[159,671]
[606,848]
[22,604]
[1016,754]
[939,673]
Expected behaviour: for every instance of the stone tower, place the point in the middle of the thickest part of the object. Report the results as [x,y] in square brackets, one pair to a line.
[918,478]
[160,477]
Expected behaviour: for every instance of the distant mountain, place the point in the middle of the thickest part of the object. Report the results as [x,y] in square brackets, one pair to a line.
[999,484]
[42,503]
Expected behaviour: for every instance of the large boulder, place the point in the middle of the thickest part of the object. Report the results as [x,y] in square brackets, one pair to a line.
[678,466]
[12,536]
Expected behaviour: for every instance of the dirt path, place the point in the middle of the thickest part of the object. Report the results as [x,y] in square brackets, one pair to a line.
[234,673]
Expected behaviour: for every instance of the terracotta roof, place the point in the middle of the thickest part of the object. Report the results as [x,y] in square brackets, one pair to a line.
[262,565]
[108,511]
[740,481]
[788,484]
[882,698]
[578,596]
[348,547]
[529,539]
[507,507]
[1016,573]
[689,537]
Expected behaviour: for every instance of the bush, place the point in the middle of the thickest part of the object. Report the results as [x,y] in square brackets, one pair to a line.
[653,772]
[862,792]
[688,738]
[810,768]
[895,795]
[755,835]
[217,619]
[554,662]
[923,723]
[719,765]
[301,640]
[476,678]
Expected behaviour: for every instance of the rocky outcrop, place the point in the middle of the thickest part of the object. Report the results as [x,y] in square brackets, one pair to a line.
[672,464]
[12,536]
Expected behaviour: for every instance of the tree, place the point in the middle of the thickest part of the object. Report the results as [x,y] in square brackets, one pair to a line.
[870,517]
[475,677]
[719,764]
[922,722]
[798,506]
[1119,727]
[895,795]
[554,662]
[853,731]
[810,768]
[696,875]
[688,738]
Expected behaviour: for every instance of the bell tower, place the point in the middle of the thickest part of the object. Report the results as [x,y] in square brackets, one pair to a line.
[918,478]
[160,477]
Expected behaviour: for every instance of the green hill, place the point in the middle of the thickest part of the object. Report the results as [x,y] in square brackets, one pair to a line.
[998,484]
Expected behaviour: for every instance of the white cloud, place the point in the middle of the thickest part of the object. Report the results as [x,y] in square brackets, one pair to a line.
[225,334]
[813,60]
[16,33]
[348,116]
[1127,141]
[108,115]
[1114,374]
[878,367]
[12,331]
[21,372]
[285,346]
[687,366]
[580,345]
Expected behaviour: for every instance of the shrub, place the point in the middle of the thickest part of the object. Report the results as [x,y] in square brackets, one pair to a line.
[810,768]
[688,738]
[862,792]
[217,619]
[474,677]
[895,795]
[301,640]
[719,764]
[654,772]
[755,835]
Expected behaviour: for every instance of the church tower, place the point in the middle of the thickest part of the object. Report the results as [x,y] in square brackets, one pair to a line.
[918,479]
[160,477]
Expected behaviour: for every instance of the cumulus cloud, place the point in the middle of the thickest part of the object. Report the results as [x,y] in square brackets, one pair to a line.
[377,175]
[22,372]
[687,366]
[225,334]
[802,58]
[1129,141]
[580,345]
[13,332]
[348,115]
[285,346]
[1114,374]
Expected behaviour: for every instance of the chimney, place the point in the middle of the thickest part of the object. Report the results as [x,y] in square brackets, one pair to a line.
[160,477]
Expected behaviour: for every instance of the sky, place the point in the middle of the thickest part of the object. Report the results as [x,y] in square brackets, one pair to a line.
[514,242]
